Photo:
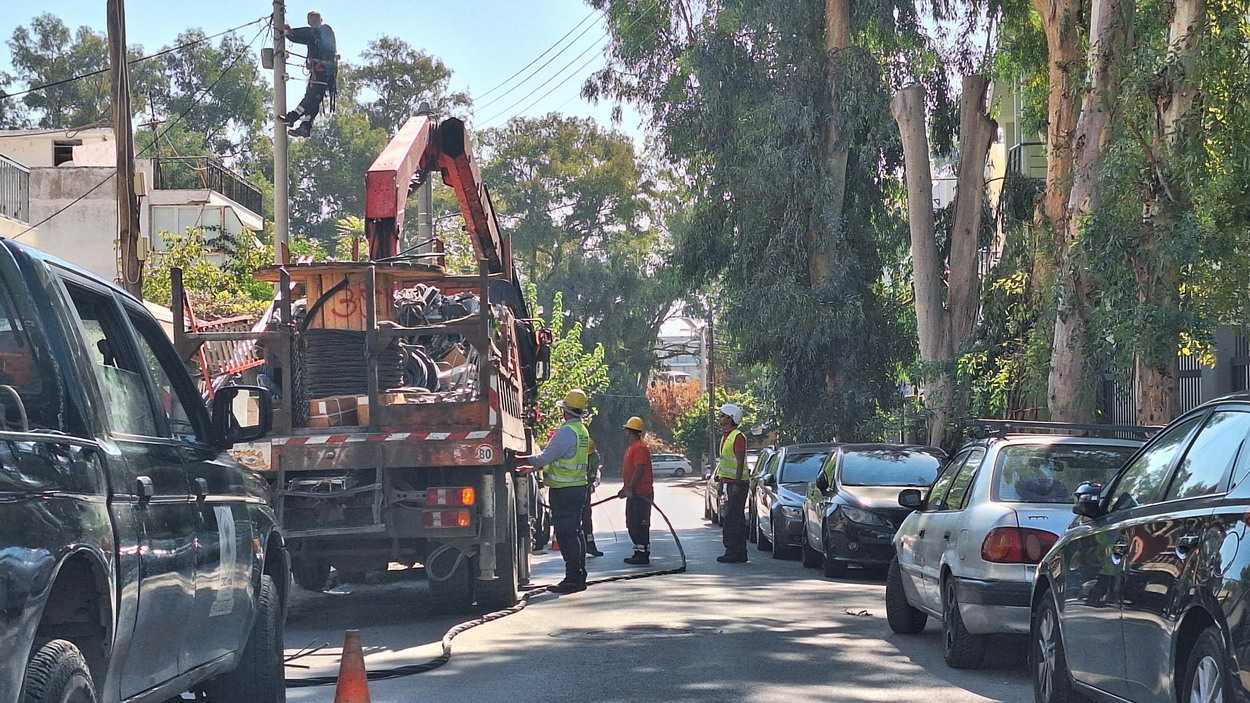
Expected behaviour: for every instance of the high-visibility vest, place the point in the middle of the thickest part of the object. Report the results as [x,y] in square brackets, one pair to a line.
[563,473]
[727,465]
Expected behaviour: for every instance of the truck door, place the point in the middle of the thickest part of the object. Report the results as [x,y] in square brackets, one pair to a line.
[223,545]
[150,491]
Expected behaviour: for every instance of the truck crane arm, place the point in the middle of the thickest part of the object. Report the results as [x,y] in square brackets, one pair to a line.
[420,148]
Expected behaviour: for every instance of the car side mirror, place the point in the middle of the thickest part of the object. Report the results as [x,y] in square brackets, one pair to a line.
[911,498]
[1088,500]
[768,479]
[253,404]
[822,483]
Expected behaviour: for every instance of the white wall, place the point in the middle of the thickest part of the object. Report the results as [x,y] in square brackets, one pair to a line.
[34,150]
[83,234]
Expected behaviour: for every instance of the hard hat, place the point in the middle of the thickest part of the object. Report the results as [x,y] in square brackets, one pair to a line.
[575,401]
[634,423]
[733,412]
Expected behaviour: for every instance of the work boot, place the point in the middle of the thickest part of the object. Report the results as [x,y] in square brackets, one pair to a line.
[592,550]
[728,559]
[567,586]
[639,558]
[304,130]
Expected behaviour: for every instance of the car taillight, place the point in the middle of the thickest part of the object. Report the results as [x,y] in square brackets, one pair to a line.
[1016,545]
[437,497]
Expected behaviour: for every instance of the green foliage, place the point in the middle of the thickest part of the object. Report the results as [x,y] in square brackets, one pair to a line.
[217,273]
[692,435]
[572,364]
[401,78]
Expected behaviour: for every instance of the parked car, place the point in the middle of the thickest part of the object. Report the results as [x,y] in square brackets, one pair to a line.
[759,464]
[851,510]
[714,490]
[676,463]
[1144,597]
[137,559]
[777,512]
[967,555]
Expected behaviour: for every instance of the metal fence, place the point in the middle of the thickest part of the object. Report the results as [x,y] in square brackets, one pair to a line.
[14,190]
[189,172]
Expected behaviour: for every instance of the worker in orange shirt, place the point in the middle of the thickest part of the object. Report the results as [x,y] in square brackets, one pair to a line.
[638,492]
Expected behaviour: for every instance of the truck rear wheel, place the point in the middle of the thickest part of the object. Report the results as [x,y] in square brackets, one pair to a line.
[502,592]
[310,573]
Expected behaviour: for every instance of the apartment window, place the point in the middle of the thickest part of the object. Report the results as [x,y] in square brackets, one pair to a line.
[63,150]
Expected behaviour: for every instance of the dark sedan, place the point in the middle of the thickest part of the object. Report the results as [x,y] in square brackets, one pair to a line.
[852,511]
[778,506]
[1144,598]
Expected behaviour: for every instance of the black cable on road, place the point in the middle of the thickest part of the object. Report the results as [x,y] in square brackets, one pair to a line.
[432,664]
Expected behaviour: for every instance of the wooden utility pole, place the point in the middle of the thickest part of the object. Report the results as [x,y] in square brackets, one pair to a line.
[281,203]
[128,236]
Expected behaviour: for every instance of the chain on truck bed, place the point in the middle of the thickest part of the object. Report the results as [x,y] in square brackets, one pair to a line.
[440,660]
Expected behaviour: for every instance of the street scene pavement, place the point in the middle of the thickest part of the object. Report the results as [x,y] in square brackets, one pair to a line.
[768,630]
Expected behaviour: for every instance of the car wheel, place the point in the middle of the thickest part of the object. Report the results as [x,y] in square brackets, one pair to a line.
[58,674]
[812,559]
[779,551]
[832,567]
[903,618]
[1207,674]
[259,673]
[765,544]
[962,649]
[679,472]
[1051,681]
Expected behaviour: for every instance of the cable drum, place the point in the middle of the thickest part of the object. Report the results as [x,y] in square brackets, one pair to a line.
[334,363]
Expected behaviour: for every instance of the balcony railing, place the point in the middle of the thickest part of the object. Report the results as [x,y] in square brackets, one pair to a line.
[14,190]
[190,172]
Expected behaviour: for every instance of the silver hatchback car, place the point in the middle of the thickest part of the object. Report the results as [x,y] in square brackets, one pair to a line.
[966,555]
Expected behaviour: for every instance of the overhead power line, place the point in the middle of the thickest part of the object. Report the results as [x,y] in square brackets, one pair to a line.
[102,71]
[538,70]
[536,59]
[203,94]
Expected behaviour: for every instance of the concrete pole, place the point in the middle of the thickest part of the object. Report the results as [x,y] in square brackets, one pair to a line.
[425,203]
[281,181]
[127,202]
[711,388]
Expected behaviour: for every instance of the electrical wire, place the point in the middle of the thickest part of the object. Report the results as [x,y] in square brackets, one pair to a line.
[195,102]
[442,659]
[531,63]
[69,132]
[538,70]
[101,71]
[574,74]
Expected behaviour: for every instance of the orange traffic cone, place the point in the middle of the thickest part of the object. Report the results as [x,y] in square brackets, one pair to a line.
[353,685]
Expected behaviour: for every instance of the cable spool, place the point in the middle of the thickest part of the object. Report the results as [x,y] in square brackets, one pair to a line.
[334,363]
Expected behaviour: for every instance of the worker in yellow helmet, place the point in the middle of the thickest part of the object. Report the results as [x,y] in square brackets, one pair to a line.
[564,462]
[638,492]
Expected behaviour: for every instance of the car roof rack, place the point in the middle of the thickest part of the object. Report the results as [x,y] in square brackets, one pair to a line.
[986,428]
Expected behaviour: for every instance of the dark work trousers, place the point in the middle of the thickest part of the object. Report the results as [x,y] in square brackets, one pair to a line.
[638,521]
[735,519]
[319,82]
[588,523]
[567,505]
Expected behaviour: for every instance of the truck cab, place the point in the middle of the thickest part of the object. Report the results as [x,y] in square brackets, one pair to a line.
[137,559]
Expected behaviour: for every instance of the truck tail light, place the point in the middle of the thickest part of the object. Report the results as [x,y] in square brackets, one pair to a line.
[439,497]
[1017,545]
[448,518]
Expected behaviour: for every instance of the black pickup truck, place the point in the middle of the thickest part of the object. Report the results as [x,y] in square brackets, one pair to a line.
[137,560]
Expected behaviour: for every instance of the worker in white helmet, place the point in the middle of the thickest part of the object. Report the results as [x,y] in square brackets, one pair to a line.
[731,470]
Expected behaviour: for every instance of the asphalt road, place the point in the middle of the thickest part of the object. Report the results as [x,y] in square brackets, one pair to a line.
[766,630]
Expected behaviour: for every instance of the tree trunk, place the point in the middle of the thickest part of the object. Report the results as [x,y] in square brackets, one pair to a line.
[976,132]
[932,320]
[1070,385]
[1061,21]
[837,41]
[1158,276]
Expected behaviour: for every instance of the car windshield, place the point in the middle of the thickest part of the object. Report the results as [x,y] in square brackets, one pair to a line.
[1050,473]
[889,467]
[801,468]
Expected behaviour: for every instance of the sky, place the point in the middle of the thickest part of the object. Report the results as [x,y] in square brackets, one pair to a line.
[483,42]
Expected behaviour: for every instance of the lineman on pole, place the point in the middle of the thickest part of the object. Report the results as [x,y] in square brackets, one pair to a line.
[564,461]
[322,63]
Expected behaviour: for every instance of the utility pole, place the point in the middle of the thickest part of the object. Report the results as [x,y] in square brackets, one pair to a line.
[711,388]
[128,236]
[281,201]
[425,202]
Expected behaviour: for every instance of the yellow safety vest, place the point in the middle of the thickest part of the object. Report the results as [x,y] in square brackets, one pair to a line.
[727,466]
[563,473]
